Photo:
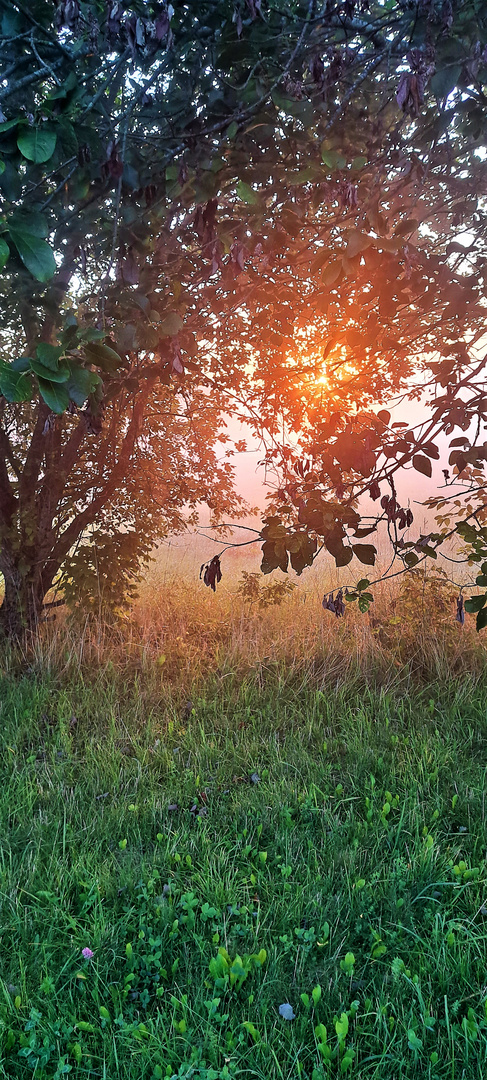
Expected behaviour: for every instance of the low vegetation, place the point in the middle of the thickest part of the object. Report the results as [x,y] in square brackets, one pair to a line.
[250,842]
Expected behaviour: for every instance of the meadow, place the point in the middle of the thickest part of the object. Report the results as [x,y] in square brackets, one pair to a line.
[246,839]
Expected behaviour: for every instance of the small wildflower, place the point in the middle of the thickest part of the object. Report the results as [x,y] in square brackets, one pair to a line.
[87,953]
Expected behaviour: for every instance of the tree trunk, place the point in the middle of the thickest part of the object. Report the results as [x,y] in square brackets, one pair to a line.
[22,602]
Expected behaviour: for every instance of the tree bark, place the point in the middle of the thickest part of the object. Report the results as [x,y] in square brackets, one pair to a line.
[30,560]
[22,602]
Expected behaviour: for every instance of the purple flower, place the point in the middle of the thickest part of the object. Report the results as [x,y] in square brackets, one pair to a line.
[87,953]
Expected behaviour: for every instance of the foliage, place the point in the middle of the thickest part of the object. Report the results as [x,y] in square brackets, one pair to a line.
[272,210]
[102,575]
[253,591]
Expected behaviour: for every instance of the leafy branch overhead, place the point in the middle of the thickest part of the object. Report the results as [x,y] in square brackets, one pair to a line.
[268,211]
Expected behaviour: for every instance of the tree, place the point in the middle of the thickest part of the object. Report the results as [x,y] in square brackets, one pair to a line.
[212,209]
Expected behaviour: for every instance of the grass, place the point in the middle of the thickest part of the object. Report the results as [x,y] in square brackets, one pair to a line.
[234,812]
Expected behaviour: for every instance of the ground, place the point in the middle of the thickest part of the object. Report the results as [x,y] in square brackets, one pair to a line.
[278,819]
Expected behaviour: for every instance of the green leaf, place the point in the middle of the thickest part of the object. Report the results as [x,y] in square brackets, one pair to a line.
[90,333]
[247,194]
[37,143]
[445,80]
[4,253]
[304,176]
[103,356]
[67,137]
[34,224]
[347,1060]
[362,584]
[413,1042]
[9,124]
[49,355]
[475,603]
[422,464]
[54,394]
[171,324]
[14,385]
[347,963]
[21,363]
[81,384]
[11,24]
[59,375]
[341,1026]
[482,619]
[331,158]
[35,253]
[365,553]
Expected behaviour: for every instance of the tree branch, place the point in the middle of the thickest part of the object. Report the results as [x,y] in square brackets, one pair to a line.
[117,475]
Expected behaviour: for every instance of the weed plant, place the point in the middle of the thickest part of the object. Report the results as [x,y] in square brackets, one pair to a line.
[245,843]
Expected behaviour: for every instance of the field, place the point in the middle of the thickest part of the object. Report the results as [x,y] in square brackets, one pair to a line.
[265,826]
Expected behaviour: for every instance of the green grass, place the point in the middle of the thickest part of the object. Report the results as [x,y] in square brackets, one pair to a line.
[333,839]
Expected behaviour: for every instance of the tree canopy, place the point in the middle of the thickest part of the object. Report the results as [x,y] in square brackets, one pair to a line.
[274,210]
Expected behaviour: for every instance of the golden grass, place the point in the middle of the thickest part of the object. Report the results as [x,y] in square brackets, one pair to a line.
[180,634]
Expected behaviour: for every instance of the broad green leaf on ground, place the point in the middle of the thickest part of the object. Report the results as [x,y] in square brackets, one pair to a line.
[36,254]
[4,253]
[413,1042]
[37,144]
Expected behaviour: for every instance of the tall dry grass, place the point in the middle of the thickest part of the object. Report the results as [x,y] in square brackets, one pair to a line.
[179,636]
